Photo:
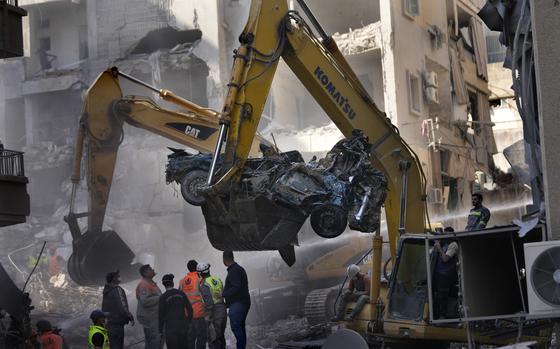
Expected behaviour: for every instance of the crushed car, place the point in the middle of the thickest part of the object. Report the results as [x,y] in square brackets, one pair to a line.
[277,193]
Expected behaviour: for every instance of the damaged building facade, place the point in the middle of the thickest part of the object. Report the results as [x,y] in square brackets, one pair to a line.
[424,64]
[67,44]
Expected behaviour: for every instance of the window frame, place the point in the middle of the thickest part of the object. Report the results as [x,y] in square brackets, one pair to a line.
[409,87]
[406,9]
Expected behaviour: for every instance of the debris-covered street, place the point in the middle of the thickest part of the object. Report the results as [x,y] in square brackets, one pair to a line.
[279,174]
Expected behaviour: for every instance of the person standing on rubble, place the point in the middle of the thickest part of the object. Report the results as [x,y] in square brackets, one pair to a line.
[478,215]
[116,304]
[46,337]
[358,291]
[216,312]
[97,336]
[238,300]
[175,315]
[190,285]
[147,294]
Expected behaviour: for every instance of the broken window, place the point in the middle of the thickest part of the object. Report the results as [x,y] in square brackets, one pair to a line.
[411,8]
[414,93]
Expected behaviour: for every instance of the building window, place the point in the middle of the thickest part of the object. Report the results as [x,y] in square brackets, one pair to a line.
[411,8]
[414,93]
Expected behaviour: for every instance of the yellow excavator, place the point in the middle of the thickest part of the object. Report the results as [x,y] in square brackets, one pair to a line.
[492,298]
[101,132]
[241,214]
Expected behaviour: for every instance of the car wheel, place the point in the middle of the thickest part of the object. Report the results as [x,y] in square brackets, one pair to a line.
[191,183]
[328,221]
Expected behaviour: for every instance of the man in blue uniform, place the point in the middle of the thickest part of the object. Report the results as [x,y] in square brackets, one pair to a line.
[479,215]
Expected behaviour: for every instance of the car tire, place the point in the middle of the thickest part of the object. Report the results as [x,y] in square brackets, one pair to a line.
[191,183]
[328,221]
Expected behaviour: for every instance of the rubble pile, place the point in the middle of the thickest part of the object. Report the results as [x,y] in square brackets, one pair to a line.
[291,329]
[359,40]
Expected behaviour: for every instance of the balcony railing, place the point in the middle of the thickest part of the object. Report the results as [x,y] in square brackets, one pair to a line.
[11,163]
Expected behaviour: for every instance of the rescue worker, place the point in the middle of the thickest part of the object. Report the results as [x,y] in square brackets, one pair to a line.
[445,275]
[98,337]
[116,304]
[190,285]
[41,262]
[478,215]
[358,291]
[147,294]
[55,262]
[46,337]
[175,315]
[238,300]
[216,312]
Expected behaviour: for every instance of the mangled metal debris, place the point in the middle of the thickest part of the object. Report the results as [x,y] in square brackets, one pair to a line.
[267,207]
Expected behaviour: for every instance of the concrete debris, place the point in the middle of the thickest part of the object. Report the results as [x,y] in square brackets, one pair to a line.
[310,141]
[47,155]
[291,329]
[359,40]
[165,38]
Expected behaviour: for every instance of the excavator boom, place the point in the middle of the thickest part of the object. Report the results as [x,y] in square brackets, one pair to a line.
[100,134]
[273,32]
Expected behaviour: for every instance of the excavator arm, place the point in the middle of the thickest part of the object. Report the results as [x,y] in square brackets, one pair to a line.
[272,31]
[100,134]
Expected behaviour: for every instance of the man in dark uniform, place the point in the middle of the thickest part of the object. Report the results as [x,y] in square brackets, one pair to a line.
[175,315]
[116,304]
[445,276]
[479,215]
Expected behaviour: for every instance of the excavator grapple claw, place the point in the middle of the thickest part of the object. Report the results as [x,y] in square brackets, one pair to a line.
[258,224]
[97,253]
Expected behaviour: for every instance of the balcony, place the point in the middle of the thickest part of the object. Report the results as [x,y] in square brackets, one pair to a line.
[14,200]
[11,33]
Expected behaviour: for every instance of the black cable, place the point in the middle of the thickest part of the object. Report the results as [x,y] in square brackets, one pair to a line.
[34,267]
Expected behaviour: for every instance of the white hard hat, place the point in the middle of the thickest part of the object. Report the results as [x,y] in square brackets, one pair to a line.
[352,270]
[203,267]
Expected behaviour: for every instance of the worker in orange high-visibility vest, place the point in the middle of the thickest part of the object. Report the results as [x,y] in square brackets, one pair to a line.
[190,285]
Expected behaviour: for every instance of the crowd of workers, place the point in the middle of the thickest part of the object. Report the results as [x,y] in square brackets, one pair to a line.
[195,314]
[190,316]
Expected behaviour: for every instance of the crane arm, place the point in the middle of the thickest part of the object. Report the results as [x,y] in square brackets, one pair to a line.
[100,134]
[273,32]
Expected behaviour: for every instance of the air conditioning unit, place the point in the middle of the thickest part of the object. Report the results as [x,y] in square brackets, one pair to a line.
[435,196]
[542,265]
[430,79]
[432,95]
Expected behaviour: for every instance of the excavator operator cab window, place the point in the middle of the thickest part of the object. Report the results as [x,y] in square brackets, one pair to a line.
[408,289]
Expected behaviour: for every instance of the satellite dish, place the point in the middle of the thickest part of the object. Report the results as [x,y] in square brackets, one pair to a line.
[345,338]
